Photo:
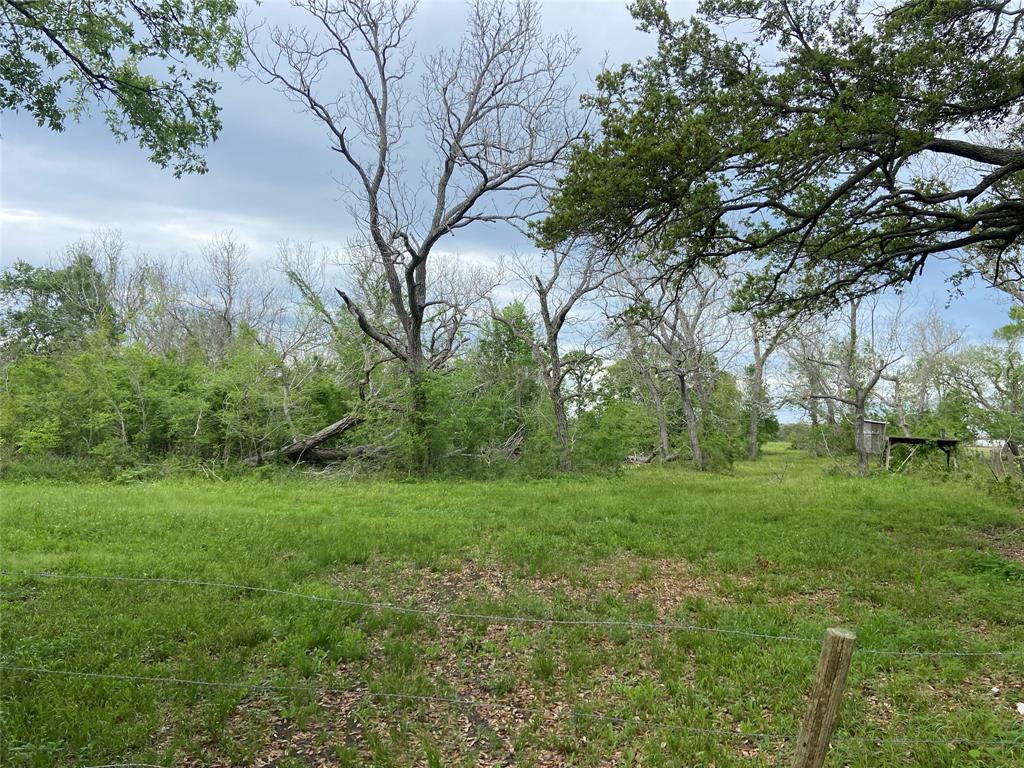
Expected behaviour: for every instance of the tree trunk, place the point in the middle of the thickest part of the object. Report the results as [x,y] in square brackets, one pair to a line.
[553,380]
[658,402]
[1017,452]
[331,455]
[692,423]
[562,432]
[424,450]
[901,410]
[756,399]
[863,457]
[704,389]
[753,445]
[756,404]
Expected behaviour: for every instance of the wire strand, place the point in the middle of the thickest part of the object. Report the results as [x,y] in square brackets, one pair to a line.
[498,618]
[471,702]
[684,728]
[236,685]
[953,740]
[789,737]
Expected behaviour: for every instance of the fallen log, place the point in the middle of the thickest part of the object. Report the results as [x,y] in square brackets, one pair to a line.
[334,455]
[647,458]
[297,449]
[641,458]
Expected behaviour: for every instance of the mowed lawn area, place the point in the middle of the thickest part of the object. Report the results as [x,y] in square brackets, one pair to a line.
[784,547]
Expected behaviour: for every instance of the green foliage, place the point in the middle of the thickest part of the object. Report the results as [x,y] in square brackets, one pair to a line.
[45,309]
[245,399]
[989,383]
[806,133]
[94,383]
[724,424]
[143,61]
[797,435]
[607,436]
[768,428]
[951,416]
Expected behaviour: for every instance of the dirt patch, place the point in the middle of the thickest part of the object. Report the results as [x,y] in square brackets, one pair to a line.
[663,583]
[880,710]
[351,727]
[512,716]
[1012,550]
[1006,541]
[826,597]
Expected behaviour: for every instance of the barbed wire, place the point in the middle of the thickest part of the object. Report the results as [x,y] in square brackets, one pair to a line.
[235,685]
[578,715]
[435,612]
[684,728]
[883,652]
[498,618]
[789,737]
[953,740]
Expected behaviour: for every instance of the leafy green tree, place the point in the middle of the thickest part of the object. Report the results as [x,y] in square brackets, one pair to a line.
[509,376]
[144,62]
[76,403]
[606,436]
[842,145]
[989,379]
[723,423]
[245,397]
[624,420]
[504,354]
[43,309]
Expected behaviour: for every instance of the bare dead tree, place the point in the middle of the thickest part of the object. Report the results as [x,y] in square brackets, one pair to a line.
[495,113]
[119,281]
[306,269]
[872,345]
[691,322]
[765,339]
[920,385]
[209,299]
[560,281]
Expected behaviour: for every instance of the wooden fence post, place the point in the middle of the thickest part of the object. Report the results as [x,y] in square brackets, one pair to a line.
[823,705]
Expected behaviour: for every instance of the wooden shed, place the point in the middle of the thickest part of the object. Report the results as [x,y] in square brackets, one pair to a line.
[874,436]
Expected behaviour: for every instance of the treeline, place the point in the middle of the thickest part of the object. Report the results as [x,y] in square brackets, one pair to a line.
[702,251]
[121,366]
[875,360]
[125,366]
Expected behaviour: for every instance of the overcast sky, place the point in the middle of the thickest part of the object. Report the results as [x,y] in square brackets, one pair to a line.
[270,175]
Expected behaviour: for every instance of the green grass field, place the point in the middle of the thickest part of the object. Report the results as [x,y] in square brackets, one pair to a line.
[781,547]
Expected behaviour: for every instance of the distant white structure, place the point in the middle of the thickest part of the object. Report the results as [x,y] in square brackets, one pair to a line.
[993,443]
[1000,455]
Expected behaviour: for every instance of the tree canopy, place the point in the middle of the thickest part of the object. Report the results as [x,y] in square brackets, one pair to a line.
[144,62]
[843,146]
[44,309]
